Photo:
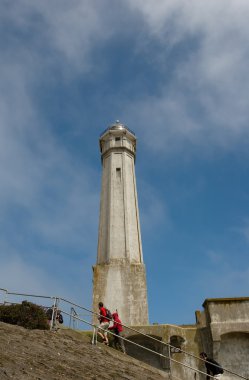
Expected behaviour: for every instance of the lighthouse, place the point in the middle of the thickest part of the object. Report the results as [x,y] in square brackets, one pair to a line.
[119,278]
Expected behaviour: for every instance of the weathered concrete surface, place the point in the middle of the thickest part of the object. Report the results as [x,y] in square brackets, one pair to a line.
[226,315]
[122,286]
[119,279]
[43,355]
[190,343]
[226,319]
[224,324]
[119,225]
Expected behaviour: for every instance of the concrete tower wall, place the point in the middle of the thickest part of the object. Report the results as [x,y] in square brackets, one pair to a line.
[122,287]
[119,228]
[119,279]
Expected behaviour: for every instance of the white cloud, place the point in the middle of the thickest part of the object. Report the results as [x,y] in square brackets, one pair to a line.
[19,275]
[37,174]
[52,33]
[219,276]
[49,201]
[178,18]
[229,283]
[56,198]
[215,257]
[243,230]
[204,103]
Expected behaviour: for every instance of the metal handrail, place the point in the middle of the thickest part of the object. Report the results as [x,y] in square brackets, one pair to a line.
[55,306]
[155,339]
[139,345]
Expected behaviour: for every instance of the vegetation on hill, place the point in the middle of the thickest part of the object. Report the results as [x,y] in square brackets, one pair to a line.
[26,314]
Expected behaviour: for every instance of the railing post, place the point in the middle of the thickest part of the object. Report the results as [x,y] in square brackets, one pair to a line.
[5,297]
[52,316]
[5,292]
[93,337]
[54,313]
[70,319]
[170,363]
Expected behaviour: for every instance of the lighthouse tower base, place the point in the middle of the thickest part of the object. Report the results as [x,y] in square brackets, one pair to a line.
[122,284]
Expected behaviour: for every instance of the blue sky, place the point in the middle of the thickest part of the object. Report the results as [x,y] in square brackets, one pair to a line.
[176,73]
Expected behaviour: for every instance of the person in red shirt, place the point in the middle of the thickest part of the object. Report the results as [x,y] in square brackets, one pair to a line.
[104,323]
[117,329]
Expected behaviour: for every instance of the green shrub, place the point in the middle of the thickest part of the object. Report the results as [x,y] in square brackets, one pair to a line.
[26,314]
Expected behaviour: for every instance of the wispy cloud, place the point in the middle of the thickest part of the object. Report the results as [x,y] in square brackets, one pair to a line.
[154,211]
[49,201]
[243,229]
[215,257]
[229,283]
[40,176]
[219,276]
[21,275]
[66,33]
[212,75]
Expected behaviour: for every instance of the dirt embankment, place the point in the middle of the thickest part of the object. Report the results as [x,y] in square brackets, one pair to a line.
[66,354]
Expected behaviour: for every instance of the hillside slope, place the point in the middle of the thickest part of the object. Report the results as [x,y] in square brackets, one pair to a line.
[66,354]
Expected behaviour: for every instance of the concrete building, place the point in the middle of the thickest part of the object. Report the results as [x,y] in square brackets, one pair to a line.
[221,330]
[119,278]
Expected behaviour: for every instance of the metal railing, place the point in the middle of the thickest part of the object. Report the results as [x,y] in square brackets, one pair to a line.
[74,318]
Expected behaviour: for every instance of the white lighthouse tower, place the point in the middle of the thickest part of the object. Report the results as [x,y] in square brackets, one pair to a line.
[119,279]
